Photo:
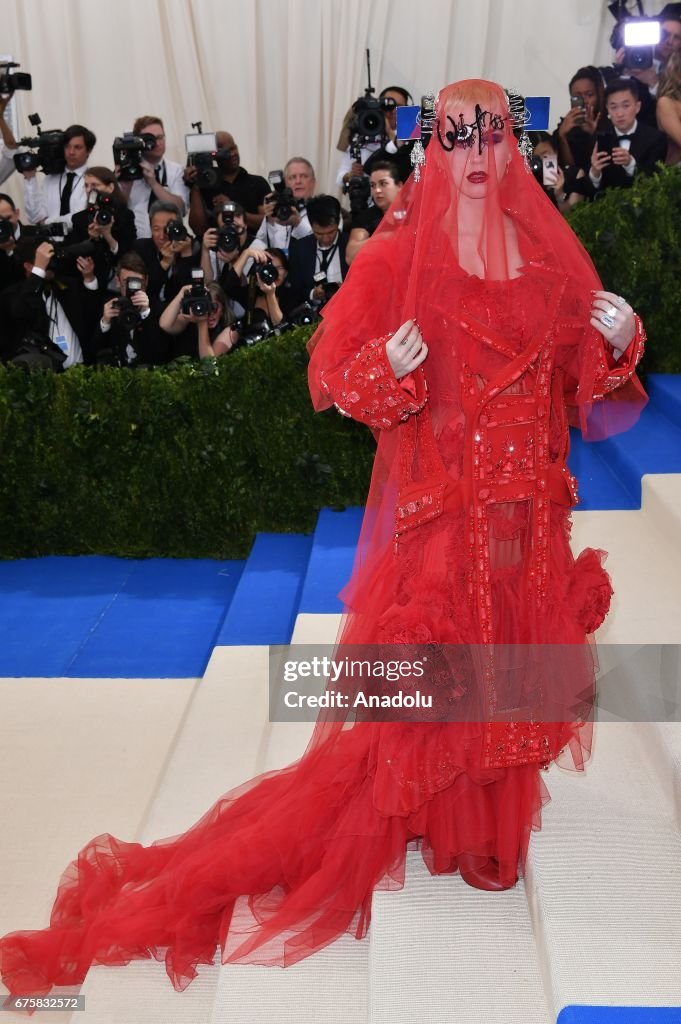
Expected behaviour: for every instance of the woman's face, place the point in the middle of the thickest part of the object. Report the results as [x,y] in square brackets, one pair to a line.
[215,315]
[480,154]
[93,184]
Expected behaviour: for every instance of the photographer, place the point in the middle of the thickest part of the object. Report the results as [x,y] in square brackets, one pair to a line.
[10,233]
[55,308]
[358,147]
[321,253]
[58,196]
[576,132]
[277,231]
[565,187]
[272,300]
[168,254]
[163,180]
[8,144]
[648,78]
[237,186]
[385,186]
[129,333]
[222,249]
[199,336]
[630,147]
[106,221]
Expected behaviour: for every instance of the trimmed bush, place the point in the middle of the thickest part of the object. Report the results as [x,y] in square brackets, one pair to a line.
[188,460]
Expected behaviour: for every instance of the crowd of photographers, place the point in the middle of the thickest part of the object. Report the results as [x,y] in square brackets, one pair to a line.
[101,267]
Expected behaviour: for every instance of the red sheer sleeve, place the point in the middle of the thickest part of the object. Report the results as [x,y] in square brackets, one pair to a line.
[603,394]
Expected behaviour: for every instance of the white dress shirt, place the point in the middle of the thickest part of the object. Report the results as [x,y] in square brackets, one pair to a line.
[278,236]
[6,162]
[171,176]
[42,197]
[61,331]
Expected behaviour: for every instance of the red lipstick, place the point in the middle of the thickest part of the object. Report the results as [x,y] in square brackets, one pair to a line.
[477,177]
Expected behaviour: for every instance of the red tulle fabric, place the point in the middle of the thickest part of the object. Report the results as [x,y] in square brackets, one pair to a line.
[464,547]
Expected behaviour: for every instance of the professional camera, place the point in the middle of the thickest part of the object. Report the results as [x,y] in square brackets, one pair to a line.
[128,316]
[266,273]
[359,190]
[100,208]
[50,150]
[10,80]
[6,230]
[128,153]
[203,153]
[64,260]
[229,236]
[285,203]
[368,121]
[329,287]
[175,231]
[196,302]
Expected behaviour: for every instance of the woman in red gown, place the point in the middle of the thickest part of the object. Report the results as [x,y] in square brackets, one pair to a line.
[470,331]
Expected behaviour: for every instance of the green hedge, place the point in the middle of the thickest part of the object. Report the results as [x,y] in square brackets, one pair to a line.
[189,460]
[634,238]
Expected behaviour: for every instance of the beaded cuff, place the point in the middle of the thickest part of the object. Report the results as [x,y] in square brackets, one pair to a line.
[611,377]
[367,390]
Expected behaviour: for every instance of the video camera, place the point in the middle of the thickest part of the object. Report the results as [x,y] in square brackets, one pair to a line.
[285,203]
[128,153]
[203,153]
[197,302]
[10,80]
[368,117]
[50,150]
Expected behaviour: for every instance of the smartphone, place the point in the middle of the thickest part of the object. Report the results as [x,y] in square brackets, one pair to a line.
[578,103]
[605,141]
[550,171]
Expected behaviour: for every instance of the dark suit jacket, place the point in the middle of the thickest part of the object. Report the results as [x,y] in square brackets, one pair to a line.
[124,232]
[150,344]
[647,146]
[163,284]
[22,309]
[302,264]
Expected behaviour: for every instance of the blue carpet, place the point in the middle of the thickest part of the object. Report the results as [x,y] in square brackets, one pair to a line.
[98,616]
[665,394]
[620,1015]
[331,559]
[598,487]
[265,604]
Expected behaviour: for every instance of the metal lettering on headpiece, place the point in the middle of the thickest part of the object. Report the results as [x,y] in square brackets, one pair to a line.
[466,135]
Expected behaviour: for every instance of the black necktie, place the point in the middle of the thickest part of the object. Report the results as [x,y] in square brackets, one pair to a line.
[64,207]
[159,178]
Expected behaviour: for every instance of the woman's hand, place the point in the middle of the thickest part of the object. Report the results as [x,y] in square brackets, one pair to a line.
[406,350]
[621,334]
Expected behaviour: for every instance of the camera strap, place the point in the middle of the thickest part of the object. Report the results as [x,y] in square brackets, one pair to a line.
[161,176]
[325,257]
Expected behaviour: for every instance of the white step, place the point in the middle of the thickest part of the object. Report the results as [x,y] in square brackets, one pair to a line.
[604,880]
[220,745]
[661,504]
[446,953]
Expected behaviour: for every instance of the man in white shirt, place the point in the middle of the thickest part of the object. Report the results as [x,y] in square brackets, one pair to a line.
[163,179]
[634,146]
[63,308]
[299,177]
[8,144]
[56,197]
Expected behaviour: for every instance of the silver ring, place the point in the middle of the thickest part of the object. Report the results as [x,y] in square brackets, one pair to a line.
[622,302]
[607,320]
[612,311]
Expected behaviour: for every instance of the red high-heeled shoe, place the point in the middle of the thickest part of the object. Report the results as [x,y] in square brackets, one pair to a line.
[482,876]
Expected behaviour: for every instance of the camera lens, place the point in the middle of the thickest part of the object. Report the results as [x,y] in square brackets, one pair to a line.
[267,272]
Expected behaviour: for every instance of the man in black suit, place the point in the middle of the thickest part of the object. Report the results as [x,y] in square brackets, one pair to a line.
[59,307]
[633,148]
[129,333]
[169,263]
[11,230]
[322,252]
